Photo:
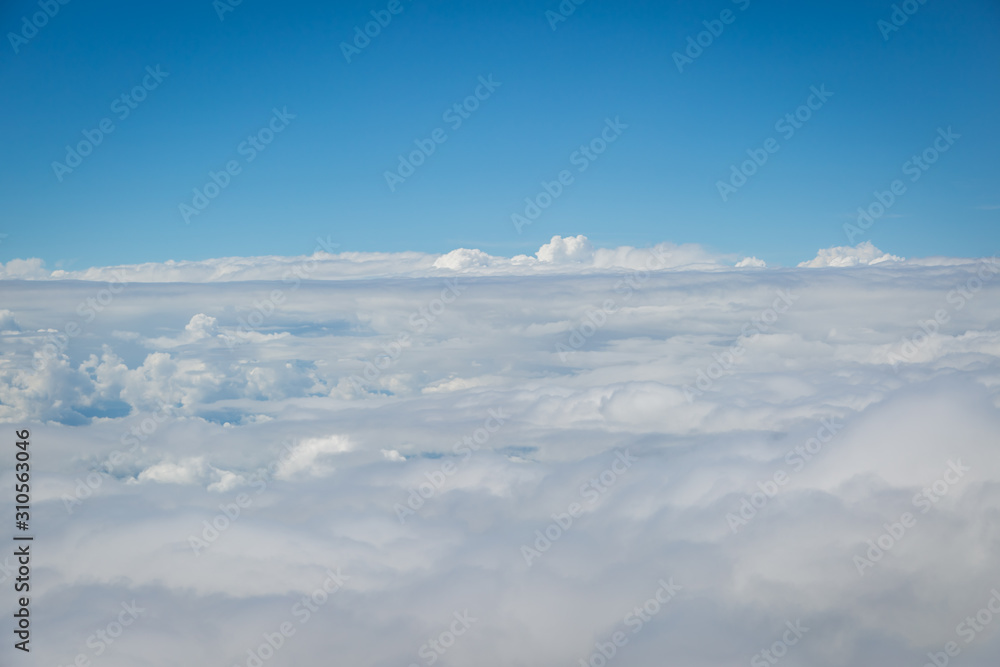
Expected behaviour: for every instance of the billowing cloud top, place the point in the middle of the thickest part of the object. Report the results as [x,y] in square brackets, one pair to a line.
[863,254]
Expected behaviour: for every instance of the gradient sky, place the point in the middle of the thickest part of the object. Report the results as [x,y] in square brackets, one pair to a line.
[324,174]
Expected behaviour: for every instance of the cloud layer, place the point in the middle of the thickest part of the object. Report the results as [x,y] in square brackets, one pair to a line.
[526,450]
[561,255]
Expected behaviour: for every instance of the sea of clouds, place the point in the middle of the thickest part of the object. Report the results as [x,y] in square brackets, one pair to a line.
[635,456]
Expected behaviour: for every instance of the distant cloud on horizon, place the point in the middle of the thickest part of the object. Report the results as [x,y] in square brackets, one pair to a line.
[561,255]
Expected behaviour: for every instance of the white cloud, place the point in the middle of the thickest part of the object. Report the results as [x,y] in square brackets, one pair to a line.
[752,262]
[310,454]
[863,254]
[24,269]
[188,471]
[562,250]
[360,396]
[200,327]
[227,481]
[463,258]
[559,256]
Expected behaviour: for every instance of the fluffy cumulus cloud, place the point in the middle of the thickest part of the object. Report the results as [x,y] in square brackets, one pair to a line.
[24,269]
[463,258]
[863,254]
[751,262]
[469,459]
[570,249]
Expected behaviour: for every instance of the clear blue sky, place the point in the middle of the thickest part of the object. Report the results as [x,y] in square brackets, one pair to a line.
[324,173]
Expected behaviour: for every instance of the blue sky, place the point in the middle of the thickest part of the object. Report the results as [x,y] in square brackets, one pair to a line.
[324,173]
